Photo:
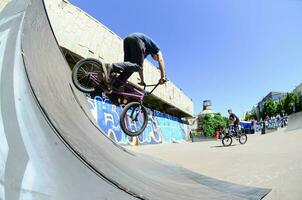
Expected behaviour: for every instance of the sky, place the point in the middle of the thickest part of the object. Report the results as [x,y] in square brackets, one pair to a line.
[232,52]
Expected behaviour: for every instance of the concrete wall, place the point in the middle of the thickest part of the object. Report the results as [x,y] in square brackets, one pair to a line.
[161,128]
[85,36]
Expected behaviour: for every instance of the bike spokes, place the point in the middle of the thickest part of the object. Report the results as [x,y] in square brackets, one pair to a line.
[242,139]
[134,119]
[227,141]
[89,75]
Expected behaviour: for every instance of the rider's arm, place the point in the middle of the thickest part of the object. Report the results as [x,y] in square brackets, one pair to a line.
[231,119]
[141,75]
[161,64]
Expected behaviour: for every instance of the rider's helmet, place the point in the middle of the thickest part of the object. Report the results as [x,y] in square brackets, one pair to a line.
[229,111]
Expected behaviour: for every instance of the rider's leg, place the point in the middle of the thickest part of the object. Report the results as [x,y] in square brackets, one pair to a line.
[134,58]
[236,128]
[126,69]
[127,49]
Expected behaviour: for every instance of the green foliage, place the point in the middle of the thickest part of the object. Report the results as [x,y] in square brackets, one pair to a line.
[292,103]
[250,116]
[226,121]
[195,133]
[280,106]
[269,108]
[300,105]
[210,123]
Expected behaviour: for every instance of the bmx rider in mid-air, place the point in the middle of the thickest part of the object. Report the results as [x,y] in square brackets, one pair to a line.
[137,46]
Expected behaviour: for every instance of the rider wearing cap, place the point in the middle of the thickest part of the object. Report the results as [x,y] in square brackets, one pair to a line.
[137,46]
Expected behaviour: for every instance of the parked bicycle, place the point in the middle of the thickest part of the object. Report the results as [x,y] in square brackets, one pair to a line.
[88,76]
[233,132]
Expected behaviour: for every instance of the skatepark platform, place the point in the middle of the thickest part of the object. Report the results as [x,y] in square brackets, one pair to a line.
[51,148]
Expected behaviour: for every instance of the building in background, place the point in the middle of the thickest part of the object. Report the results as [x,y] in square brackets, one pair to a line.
[207,108]
[275,96]
[298,89]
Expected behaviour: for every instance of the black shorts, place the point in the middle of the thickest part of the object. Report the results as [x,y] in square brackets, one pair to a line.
[134,50]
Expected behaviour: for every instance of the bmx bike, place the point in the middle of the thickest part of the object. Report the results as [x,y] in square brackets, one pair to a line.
[89,75]
[233,132]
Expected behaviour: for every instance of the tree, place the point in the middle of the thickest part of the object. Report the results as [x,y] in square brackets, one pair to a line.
[212,122]
[300,105]
[247,116]
[250,116]
[269,108]
[280,106]
[292,103]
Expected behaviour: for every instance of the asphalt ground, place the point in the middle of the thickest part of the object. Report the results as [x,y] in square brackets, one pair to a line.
[50,145]
[271,161]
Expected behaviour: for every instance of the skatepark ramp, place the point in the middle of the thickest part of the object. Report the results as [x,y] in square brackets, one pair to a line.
[294,122]
[51,147]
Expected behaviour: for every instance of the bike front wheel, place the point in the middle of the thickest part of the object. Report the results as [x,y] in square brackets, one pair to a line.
[227,141]
[242,139]
[87,74]
[134,119]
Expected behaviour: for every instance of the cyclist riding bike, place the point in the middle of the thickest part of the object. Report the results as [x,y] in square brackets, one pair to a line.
[234,120]
[137,46]
[91,75]
[233,131]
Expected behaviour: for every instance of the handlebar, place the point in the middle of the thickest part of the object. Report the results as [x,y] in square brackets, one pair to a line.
[152,85]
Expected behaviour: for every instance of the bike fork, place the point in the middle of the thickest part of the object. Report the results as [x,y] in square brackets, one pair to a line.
[136,114]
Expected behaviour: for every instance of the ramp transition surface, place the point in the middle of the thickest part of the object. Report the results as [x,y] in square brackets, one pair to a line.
[294,121]
[50,146]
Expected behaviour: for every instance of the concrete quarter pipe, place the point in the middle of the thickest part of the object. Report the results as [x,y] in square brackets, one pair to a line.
[50,146]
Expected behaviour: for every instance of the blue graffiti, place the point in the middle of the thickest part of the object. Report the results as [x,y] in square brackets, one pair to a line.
[161,128]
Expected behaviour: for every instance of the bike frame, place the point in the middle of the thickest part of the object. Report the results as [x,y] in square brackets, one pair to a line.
[133,91]
[230,131]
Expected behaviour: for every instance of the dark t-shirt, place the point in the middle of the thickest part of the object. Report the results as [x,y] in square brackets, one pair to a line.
[234,118]
[150,46]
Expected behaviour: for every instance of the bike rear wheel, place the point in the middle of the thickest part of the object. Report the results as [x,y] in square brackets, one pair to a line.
[242,139]
[134,119]
[88,74]
[227,141]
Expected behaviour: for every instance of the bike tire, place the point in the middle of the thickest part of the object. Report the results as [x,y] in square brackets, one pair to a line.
[83,82]
[227,141]
[123,119]
[243,139]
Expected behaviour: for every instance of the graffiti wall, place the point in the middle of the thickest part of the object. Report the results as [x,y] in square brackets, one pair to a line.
[161,128]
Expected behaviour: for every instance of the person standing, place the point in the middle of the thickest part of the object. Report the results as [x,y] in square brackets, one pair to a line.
[191,136]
